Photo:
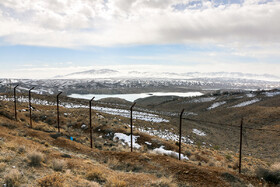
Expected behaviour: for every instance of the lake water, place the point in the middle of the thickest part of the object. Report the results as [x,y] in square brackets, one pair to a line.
[133,97]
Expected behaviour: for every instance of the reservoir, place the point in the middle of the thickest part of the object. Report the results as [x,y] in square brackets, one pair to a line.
[133,97]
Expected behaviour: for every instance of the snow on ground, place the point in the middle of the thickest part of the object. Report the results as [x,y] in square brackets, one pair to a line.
[202,100]
[148,143]
[113,111]
[198,132]
[126,139]
[246,103]
[167,135]
[271,94]
[162,151]
[250,95]
[215,105]
[136,115]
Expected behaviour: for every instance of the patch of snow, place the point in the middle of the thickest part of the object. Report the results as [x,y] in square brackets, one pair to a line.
[202,100]
[239,97]
[113,111]
[167,135]
[246,103]
[250,95]
[136,115]
[162,151]
[215,105]
[148,143]
[271,94]
[126,139]
[198,132]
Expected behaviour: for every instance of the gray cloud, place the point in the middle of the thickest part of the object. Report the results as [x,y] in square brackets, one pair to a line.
[121,22]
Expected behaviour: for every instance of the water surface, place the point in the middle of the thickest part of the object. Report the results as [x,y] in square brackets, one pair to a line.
[133,97]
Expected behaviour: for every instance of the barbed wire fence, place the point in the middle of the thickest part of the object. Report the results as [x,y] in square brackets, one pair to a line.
[244,129]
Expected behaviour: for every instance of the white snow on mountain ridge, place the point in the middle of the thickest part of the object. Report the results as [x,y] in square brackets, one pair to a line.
[109,73]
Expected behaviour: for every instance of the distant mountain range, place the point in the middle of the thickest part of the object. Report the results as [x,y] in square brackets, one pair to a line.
[108,81]
[109,73]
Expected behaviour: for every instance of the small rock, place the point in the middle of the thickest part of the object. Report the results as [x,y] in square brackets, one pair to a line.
[66,156]
[84,127]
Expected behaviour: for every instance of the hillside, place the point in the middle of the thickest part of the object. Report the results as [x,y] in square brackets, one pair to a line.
[39,156]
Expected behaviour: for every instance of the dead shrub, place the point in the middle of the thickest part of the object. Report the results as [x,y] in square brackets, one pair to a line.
[13,178]
[58,165]
[21,149]
[35,158]
[97,175]
[54,180]
[70,164]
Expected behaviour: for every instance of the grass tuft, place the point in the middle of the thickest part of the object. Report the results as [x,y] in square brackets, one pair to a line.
[58,165]
[13,178]
[35,158]
[97,175]
[54,180]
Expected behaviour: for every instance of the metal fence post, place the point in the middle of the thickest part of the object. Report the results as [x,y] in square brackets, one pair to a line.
[90,126]
[57,109]
[30,107]
[15,100]
[180,133]
[240,148]
[131,123]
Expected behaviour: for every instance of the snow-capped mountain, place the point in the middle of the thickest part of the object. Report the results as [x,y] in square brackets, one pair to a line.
[110,73]
[115,82]
[90,74]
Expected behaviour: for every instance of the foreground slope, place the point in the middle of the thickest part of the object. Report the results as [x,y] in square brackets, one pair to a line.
[38,156]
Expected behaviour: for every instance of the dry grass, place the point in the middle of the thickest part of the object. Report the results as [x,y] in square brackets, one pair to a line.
[164,182]
[81,169]
[58,165]
[2,166]
[35,158]
[97,175]
[53,180]
[43,127]
[13,178]
[275,166]
[114,181]
[112,162]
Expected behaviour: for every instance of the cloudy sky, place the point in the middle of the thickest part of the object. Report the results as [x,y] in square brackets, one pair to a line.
[41,39]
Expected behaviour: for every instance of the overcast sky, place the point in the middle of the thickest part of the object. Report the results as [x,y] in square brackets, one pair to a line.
[41,39]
